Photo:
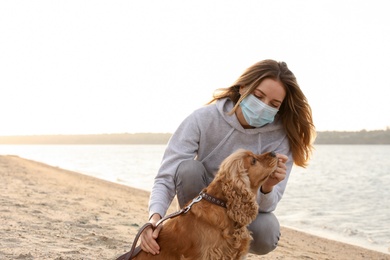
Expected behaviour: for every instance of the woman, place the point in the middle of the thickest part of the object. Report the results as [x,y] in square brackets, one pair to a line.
[264,110]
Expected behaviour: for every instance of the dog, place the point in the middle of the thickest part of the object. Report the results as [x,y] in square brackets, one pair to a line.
[208,231]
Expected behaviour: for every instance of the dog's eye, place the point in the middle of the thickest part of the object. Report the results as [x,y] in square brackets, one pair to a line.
[254,160]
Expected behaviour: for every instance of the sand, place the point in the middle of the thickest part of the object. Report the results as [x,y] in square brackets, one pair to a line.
[51,213]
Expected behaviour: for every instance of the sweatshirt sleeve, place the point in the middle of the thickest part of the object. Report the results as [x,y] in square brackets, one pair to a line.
[268,202]
[183,145]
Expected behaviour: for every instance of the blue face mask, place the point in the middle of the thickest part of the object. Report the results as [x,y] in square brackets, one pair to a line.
[256,112]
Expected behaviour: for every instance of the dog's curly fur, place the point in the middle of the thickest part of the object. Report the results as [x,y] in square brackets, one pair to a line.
[209,231]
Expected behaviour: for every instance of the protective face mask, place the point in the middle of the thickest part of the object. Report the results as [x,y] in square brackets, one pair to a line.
[256,112]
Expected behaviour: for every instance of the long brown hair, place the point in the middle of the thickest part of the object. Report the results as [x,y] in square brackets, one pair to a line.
[295,111]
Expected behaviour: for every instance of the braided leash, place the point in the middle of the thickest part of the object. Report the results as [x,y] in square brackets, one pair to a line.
[203,195]
[135,250]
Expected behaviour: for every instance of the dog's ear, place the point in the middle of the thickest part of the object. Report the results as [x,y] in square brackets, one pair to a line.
[241,202]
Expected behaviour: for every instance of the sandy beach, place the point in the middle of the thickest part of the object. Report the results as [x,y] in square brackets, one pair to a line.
[51,213]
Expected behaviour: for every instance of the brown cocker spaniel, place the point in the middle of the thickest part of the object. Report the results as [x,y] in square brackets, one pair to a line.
[212,232]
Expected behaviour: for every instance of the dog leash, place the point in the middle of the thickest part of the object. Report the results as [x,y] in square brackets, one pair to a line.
[202,195]
[135,250]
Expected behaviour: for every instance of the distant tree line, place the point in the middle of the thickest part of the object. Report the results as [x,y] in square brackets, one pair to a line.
[326,137]
[360,137]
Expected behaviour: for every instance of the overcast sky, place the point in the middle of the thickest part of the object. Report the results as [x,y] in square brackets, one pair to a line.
[89,67]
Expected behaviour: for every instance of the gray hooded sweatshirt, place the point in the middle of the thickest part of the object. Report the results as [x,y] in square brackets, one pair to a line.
[209,135]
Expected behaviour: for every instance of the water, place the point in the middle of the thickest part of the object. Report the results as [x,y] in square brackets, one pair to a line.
[342,195]
[132,165]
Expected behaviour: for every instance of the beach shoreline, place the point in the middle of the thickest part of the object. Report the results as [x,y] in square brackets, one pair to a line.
[51,213]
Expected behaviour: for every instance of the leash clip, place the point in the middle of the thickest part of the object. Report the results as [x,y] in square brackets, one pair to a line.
[195,200]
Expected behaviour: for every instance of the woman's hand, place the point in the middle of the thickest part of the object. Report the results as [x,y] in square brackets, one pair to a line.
[149,236]
[277,176]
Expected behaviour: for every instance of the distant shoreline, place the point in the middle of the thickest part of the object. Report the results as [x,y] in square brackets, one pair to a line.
[380,137]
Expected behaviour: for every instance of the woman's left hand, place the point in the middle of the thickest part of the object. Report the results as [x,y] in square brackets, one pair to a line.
[277,176]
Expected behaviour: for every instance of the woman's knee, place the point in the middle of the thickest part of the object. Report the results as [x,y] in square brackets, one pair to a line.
[265,232]
[190,180]
[190,170]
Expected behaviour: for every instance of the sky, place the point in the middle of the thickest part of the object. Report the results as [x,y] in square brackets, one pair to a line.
[93,67]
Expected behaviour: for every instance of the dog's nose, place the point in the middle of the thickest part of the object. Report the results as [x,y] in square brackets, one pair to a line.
[273,154]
